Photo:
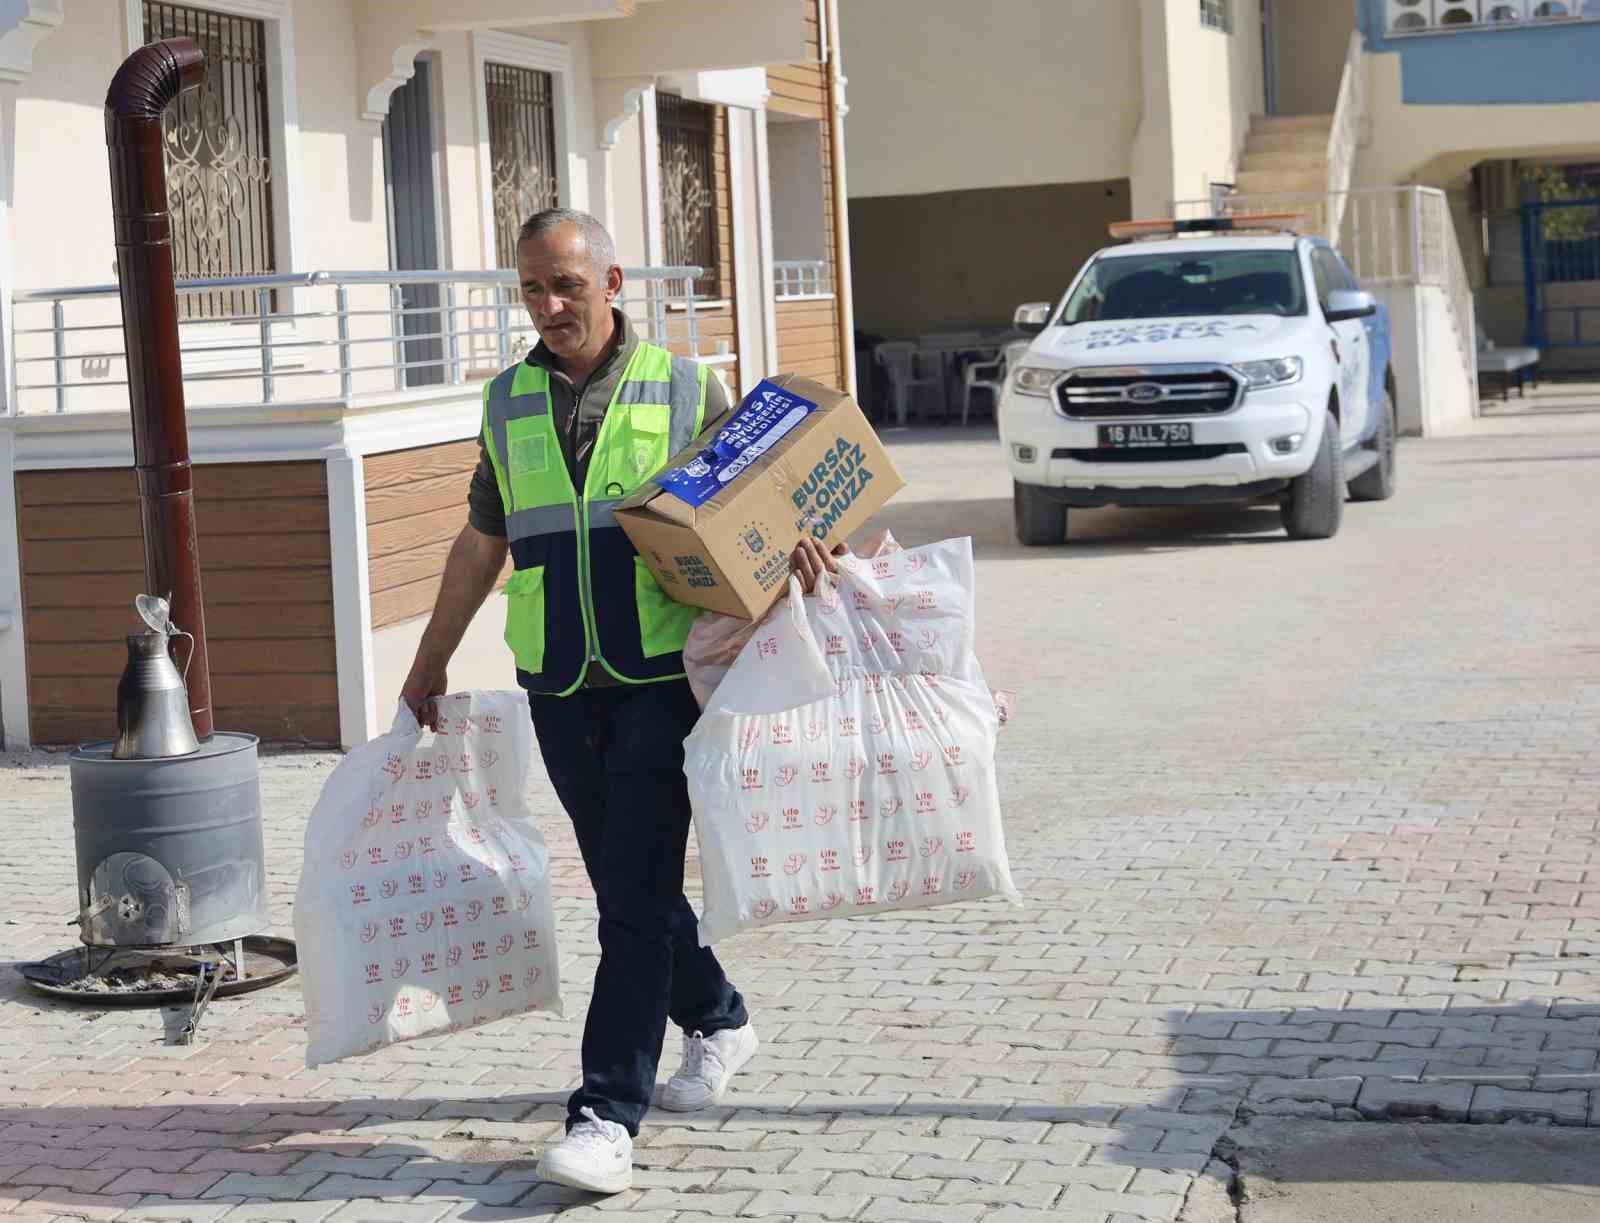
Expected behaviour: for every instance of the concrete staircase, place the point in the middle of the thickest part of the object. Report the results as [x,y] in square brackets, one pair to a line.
[1285,154]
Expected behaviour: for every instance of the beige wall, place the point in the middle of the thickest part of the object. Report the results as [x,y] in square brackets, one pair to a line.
[971,97]
[627,175]
[798,223]
[327,183]
[1201,87]
[1310,38]
[1216,83]
[1151,161]
[458,169]
[1436,145]
[61,218]
[948,95]
[343,219]
[954,260]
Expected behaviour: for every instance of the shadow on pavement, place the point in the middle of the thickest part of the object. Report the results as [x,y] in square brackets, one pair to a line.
[1587,457]
[896,436]
[1113,531]
[1520,1061]
[320,1150]
[1410,1173]
[1162,1103]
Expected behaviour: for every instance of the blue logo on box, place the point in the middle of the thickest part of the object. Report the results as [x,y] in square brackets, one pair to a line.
[767,414]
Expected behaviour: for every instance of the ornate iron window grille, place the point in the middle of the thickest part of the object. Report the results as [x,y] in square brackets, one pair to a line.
[219,157]
[522,150]
[688,199]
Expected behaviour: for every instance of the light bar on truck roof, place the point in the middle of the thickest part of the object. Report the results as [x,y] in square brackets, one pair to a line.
[1265,222]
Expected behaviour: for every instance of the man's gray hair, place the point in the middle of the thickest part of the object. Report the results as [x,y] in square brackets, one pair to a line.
[602,250]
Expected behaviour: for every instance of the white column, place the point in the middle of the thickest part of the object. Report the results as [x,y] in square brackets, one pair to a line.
[769,286]
[842,287]
[14,729]
[751,288]
[8,157]
[655,242]
[13,655]
[352,598]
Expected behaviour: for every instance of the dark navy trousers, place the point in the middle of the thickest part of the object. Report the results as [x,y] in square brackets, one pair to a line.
[615,757]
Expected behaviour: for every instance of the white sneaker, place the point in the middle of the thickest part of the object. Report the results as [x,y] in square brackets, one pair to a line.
[595,1155]
[708,1063]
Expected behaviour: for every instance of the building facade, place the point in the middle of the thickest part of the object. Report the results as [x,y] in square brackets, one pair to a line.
[991,145]
[347,185]
[1450,147]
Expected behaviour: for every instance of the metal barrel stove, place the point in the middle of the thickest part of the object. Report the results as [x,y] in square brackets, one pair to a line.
[170,850]
[167,818]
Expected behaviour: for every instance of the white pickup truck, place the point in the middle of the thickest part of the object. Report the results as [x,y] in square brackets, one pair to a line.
[1202,366]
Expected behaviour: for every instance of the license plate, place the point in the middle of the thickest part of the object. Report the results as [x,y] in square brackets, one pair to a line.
[1134,437]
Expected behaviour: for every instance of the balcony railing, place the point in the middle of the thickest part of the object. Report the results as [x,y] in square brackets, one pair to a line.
[318,337]
[1446,16]
[802,278]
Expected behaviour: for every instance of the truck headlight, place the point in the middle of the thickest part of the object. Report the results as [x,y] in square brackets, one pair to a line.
[1034,380]
[1279,371]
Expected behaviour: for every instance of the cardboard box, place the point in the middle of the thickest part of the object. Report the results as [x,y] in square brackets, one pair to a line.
[717,525]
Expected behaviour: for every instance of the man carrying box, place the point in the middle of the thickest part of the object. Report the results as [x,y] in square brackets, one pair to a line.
[589,416]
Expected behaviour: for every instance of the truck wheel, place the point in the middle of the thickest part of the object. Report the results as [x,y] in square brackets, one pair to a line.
[1377,482]
[1314,504]
[1041,522]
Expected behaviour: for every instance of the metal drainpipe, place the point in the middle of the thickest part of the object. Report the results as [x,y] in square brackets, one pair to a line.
[147,83]
[834,67]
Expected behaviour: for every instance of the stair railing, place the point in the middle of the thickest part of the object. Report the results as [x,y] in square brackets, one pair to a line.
[1349,116]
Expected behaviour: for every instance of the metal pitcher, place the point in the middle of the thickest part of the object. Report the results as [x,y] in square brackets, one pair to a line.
[152,698]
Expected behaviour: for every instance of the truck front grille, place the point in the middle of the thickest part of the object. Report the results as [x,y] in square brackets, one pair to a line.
[1139,391]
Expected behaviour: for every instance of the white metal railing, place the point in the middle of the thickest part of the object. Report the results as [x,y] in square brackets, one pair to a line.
[801,278]
[1388,236]
[1375,227]
[1440,262]
[1451,16]
[315,337]
[1349,118]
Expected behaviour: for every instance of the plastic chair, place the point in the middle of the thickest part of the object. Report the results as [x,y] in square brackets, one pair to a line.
[906,367]
[989,376]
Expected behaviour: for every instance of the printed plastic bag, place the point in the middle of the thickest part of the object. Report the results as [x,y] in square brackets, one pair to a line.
[871,790]
[715,640]
[424,902]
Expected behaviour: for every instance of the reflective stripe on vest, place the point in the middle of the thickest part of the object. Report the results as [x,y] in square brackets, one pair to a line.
[588,587]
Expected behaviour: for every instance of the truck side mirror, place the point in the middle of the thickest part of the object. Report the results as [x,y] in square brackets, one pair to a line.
[1346,304]
[1032,317]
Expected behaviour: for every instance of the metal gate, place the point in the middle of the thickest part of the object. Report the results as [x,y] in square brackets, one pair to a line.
[1561,273]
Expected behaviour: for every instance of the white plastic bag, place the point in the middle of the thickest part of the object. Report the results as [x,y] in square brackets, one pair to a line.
[845,764]
[424,901]
[715,640]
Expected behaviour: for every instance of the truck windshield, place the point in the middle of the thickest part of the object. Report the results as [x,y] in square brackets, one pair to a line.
[1173,284]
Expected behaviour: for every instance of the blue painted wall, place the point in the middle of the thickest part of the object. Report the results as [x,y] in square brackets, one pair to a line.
[1539,64]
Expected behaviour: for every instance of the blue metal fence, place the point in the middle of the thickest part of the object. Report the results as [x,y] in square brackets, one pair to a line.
[1561,247]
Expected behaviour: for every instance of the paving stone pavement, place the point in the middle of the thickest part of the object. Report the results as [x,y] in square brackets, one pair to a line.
[1304,829]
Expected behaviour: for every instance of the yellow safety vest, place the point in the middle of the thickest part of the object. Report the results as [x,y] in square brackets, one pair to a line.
[580,596]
